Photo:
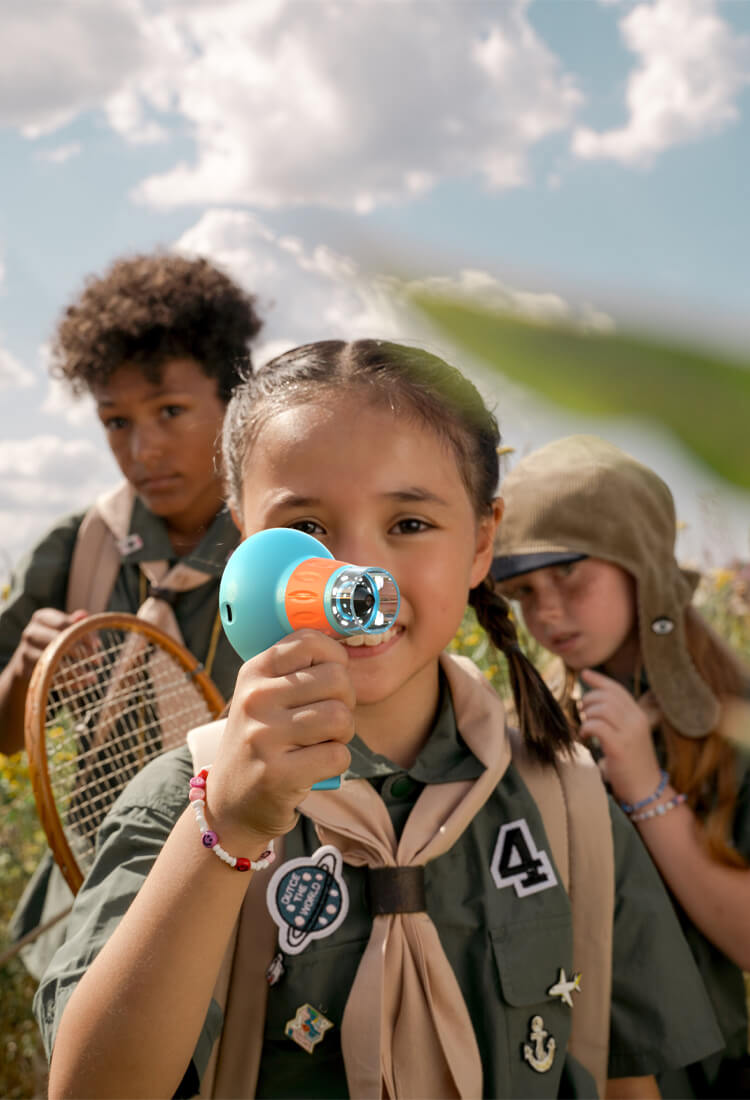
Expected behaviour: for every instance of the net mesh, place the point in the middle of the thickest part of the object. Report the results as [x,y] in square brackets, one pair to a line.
[117,700]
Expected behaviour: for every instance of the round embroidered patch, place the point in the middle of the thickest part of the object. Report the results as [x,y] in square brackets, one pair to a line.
[308,898]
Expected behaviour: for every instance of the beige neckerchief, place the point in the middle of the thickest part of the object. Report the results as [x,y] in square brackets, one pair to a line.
[404,973]
[96,562]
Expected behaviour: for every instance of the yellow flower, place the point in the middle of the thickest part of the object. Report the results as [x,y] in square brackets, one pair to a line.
[723,577]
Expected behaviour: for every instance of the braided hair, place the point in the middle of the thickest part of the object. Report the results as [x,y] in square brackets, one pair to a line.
[413,383]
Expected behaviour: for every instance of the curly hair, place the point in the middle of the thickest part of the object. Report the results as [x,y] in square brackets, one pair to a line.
[147,309]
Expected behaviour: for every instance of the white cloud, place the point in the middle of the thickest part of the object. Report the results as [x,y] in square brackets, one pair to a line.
[351,104]
[310,292]
[59,59]
[60,404]
[539,307]
[345,103]
[60,153]
[13,375]
[42,478]
[304,292]
[692,69]
[31,469]
[127,115]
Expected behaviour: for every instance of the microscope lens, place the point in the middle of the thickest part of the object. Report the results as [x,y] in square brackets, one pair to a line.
[363,600]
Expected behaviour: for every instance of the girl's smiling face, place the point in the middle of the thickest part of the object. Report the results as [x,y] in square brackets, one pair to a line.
[378,488]
[583,611]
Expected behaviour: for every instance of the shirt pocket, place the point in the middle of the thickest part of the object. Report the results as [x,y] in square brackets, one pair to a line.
[321,976]
[533,1028]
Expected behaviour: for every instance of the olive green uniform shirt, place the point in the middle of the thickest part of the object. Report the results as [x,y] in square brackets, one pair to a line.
[41,580]
[506,950]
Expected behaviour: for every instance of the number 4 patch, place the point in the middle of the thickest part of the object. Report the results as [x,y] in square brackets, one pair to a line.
[517,861]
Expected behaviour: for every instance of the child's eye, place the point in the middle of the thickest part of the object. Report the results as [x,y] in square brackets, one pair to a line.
[518,593]
[114,423]
[410,526]
[308,526]
[566,568]
[170,411]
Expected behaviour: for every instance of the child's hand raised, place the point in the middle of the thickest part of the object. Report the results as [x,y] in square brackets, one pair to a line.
[291,717]
[622,726]
[44,626]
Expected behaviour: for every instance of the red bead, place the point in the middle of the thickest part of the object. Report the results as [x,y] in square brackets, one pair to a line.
[242,864]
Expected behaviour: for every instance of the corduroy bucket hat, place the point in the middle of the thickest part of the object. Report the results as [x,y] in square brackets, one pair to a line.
[583,497]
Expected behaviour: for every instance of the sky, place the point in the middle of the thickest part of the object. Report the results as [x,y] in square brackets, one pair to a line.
[576,159]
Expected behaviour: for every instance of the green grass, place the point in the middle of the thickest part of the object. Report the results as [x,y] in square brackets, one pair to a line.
[22,1061]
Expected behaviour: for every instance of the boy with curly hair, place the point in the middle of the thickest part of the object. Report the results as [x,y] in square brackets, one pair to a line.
[160,342]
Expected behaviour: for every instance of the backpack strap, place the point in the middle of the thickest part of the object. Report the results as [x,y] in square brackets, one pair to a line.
[573,803]
[96,559]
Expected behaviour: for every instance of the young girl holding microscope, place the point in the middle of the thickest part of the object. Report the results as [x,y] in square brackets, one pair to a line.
[448,959]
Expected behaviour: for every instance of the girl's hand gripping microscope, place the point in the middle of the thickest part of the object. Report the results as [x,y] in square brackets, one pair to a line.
[280,580]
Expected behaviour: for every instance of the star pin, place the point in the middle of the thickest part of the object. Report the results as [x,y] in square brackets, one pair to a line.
[564,987]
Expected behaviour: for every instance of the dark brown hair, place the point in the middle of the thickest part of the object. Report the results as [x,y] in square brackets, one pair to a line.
[705,768]
[419,385]
[149,308]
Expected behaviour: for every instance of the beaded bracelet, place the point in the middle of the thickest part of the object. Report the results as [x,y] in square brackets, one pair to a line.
[209,838]
[659,810]
[631,808]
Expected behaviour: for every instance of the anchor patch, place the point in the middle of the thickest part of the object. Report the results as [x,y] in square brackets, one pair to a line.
[539,1054]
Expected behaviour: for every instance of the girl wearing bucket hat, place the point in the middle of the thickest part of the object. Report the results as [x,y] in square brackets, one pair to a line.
[586,548]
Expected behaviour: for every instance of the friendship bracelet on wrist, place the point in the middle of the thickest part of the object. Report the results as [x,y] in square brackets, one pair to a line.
[209,838]
[657,811]
[631,808]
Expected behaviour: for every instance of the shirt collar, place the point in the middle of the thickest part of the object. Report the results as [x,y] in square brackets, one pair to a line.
[445,757]
[209,556]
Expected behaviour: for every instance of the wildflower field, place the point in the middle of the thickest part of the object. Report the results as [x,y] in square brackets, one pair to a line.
[723,598]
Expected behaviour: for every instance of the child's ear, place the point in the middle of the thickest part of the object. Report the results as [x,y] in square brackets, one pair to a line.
[485,544]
